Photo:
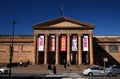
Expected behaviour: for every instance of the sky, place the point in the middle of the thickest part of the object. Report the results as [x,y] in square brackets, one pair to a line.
[104,14]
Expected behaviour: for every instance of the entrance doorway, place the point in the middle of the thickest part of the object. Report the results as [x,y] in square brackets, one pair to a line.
[73,58]
[51,58]
[84,57]
[63,58]
[40,57]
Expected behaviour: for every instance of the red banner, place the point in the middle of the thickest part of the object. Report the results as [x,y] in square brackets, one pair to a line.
[63,43]
[52,43]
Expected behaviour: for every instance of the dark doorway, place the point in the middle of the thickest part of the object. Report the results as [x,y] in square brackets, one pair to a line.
[63,57]
[40,57]
[51,58]
[73,58]
[84,54]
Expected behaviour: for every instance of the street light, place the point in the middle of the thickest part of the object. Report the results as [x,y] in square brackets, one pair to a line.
[11,49]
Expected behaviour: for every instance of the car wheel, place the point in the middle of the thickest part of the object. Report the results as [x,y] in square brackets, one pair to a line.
[110,74]
[90,74]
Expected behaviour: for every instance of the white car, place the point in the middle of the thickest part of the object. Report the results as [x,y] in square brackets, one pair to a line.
[97,71]
[4,70]
[113,70]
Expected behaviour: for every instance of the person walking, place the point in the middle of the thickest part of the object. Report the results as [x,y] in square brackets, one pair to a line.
[65,64]
[54,69]
[21,63]
[49,69]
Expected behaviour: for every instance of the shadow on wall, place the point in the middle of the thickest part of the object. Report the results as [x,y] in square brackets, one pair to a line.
[100,54]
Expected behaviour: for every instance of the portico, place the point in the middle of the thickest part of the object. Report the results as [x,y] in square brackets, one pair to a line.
[63,40]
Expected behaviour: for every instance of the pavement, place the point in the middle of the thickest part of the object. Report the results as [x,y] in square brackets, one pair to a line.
[29,72]
[43,73]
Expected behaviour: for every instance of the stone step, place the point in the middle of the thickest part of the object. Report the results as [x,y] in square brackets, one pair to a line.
[58,67]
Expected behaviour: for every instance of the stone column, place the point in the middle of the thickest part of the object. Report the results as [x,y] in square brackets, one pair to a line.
[57,49]
[68,48]
[35,61]
[91,49]
[79,50]
[46,48]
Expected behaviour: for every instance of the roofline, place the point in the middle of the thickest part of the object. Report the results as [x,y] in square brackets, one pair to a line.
[16,36]
[53,21]
[107,36]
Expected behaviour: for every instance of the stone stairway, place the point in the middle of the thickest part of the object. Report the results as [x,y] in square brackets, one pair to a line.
[58,67]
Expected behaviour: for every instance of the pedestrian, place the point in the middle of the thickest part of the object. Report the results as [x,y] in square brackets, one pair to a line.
[54,69]
[49,69]
[65,64]
[28,62]
[21,63]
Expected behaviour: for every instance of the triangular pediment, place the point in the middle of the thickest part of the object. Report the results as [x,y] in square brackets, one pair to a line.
[64,23]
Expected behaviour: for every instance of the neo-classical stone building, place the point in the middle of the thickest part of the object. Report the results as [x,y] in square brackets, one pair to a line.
[62,40]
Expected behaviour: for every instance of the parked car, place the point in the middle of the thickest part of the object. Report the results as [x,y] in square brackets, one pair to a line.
[113,70]
[94,70]
[98,71]
[4,70]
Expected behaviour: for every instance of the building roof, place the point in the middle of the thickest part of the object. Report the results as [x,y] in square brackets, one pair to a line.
[107,39]
[67,23]
[17,39]
[15,36]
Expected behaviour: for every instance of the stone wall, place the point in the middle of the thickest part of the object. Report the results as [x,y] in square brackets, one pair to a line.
[23,48]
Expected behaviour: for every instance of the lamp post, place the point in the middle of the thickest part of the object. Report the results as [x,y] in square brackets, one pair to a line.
[11,49]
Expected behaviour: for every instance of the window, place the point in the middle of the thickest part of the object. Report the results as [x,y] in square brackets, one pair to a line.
[94,68]
[113,48]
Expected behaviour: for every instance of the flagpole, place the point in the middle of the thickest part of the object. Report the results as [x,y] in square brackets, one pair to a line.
[62,10]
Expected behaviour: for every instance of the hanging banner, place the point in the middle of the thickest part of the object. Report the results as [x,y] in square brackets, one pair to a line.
[41,43]
[52,43]
[85,43]
[74,43]
[63,43]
